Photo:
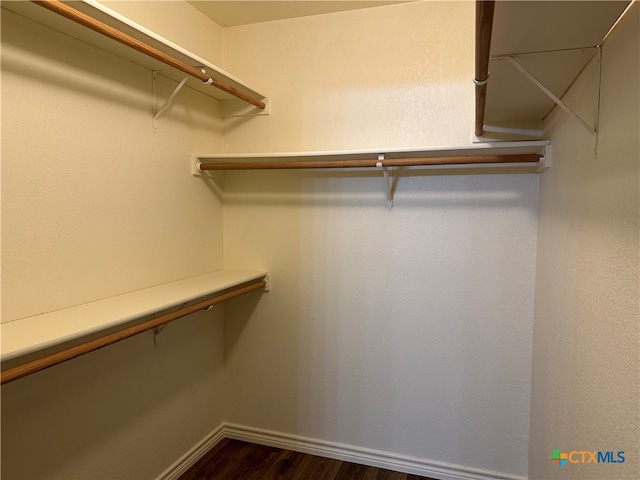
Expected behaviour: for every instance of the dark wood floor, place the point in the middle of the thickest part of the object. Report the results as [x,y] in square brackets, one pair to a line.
[235,460]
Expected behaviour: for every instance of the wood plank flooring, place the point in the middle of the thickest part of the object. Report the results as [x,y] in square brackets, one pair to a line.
[236,460]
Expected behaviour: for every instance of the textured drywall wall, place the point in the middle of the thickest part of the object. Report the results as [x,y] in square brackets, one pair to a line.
[585,360]
[176,21]
[127,411]
[95,204]
[406,331]
[380,77]
[103,209]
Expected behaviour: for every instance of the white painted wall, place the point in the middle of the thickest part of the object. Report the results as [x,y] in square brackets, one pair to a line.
[585,358]
[177,21]
[381,77]
[406,331]
[94,204]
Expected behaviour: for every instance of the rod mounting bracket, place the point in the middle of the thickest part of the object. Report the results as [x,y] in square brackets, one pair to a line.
[545,159]
[196,172]
[387,181]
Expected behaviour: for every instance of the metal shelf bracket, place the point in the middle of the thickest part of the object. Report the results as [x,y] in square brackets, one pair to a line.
[549,93]
[165,106]
[387,181]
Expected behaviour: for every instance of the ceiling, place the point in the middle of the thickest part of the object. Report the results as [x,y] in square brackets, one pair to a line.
[240,12]
[551,40]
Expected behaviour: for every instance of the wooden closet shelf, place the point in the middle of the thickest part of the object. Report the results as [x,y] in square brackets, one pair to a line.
[39,332]
[494,154]
[110,31]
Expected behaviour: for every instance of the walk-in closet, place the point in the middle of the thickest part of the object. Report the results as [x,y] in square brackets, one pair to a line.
[402,234]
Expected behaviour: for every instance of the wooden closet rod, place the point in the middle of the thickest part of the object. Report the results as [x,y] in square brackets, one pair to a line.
[115,34]
[387,162]
[484,26]
[34,366]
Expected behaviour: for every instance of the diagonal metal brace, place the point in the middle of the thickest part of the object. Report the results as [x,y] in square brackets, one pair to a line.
[550,94]
[165,106]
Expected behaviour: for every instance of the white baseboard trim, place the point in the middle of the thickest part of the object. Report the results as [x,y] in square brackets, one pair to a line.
[338,451]
[364,456]
[180,466]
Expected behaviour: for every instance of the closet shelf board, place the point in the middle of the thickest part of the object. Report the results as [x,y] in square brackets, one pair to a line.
[572,31]
[32,334]
[487,148]
[114,19]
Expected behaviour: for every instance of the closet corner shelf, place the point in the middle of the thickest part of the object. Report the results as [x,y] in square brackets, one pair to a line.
[475,153]
[114,20]
[39,332]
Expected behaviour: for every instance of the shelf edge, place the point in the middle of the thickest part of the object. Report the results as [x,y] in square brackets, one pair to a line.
[35,333]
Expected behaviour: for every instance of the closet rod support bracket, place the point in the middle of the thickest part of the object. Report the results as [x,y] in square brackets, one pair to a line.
[197,172]
[387,181]
[545,159]
[165,106]
[239,108]
[195,166]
